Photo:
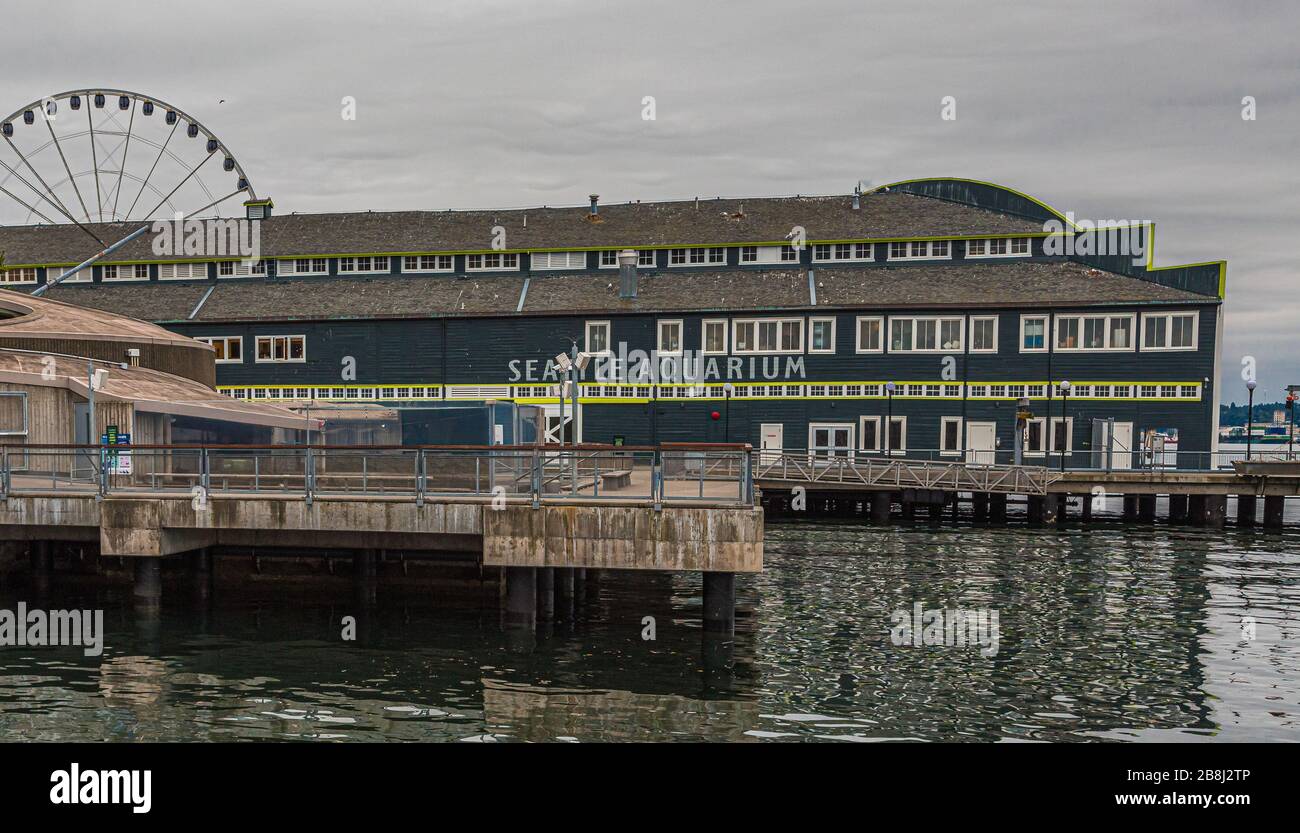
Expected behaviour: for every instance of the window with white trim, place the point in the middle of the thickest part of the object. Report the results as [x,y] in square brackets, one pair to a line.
[598,338]
[182,271]
[124,272]
[769,254]
[950,435]
[364,265]
[821,335]
[842,252]
[714,332]
[767,335]
[427,263]
[558,260]
[897,438]
[302,266]
[241,268]
[228,349]
[999,247]
[609,258]
[921,335]
[281,349]
[1094,332]
[1169,331]
[698,256]
[670,336]
[920,250]
[869,433]
[984,334]
[1033,333]
[870,334]
[15,276]
[491,261]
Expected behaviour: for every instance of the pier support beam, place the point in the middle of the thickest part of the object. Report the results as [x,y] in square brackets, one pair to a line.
[934,514]
[1178,509]
[148,581]
[521,597]
[1037,508]
[1246,506]
[364,571]
[980,507]
[1085,509]
[545,594]
[563,594]
[1062,510]
[201,574]
[1207,510]
[997,508]
[42,558]
[1146,508]
[881,504]
[720,602]
[1130,508]
[1274,510]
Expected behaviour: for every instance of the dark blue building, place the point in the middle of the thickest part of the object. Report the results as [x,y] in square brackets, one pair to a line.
[910,319]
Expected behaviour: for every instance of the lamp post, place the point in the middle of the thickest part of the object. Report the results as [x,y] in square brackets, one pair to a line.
[728,389]
[889,415]
[1250,414]
[1065,421]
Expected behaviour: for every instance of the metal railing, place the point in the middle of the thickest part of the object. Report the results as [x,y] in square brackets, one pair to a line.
[678,474]
[1077,459]
[876,471]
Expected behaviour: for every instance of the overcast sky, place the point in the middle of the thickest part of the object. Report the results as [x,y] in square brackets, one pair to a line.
[1113,110]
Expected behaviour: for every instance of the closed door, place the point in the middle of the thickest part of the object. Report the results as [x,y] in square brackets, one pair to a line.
[772,440]
[1121,446]
[830,440]
[981,443]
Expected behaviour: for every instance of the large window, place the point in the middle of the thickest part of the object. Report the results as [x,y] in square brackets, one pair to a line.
[228,349]
[670,336]
[427,263]
[919,335]
[1033,333]
[821,335]
[598,338]
[13,414]
[767,335]
[950,435]
[25,275]
[697,257]
[1169,331]
[984,334]
[715,336]
[364,265]
[281,348]
[920,250]
[1094,332]
[870,338]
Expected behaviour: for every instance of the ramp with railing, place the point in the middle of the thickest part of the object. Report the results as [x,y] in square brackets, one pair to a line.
[801,468]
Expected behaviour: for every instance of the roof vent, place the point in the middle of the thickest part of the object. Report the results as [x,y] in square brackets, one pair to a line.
[595,198]
[857,196]
[627,274]
[133,356]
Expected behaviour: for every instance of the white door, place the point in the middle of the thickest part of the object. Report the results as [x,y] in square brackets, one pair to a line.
[1121,446]
[773,440]
[828,440]
[558,431]
[981,443]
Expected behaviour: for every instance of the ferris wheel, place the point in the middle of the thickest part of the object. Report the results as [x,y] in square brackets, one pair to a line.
[94,156]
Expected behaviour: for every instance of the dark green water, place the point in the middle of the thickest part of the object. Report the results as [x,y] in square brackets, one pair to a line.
[1114,633]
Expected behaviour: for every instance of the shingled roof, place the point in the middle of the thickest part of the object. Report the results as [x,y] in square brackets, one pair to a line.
[884,215]
[911,285]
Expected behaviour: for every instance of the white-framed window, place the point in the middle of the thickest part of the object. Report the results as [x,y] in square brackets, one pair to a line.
[869,433]
[1169,331]
[1062,435]
[926,335]
[842,252]
[182,271]
[1033,333]
[598,338]
[364,265]
[229,349]
[241,268]
[1076,333]
[767,335]
[490,261]
[670,336]
[124,272]
[821,335]
[897,439]
[26,274]
[999,247]
[870,335]
[558,260]
[984,334]
[769,254]
[281,349]
[302,266]
[644,258]
[427,263]
[920,250]
[828,440]
[714,336]
[950,436]
[698,256]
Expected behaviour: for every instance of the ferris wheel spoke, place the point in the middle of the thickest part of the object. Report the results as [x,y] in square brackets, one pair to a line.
[173,191]
[94,160]
[59,148]
[122,168]
[220,200]
[30,208]
[55,201]
[38,193]
[153,168]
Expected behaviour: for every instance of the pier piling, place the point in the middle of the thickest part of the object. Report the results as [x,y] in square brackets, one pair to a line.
[148,581]
[1246,506]
[521,597]
[1274,509]
[881,504]
[563,594]
[545,594]
[1178,509]
[720,602]
[1146,509]
[1130,508]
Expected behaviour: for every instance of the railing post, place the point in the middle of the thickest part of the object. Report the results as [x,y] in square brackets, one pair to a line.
[103,471]
[747,479]
[4,473]
[205,471]
[419,477]
[308,475]
[536,479]
[657,479]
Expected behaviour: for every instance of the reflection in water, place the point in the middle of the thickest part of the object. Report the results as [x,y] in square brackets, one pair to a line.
[1114,633]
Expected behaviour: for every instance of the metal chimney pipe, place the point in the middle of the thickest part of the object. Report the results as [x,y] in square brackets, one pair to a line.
[627,273]
[857,197]
[594,199]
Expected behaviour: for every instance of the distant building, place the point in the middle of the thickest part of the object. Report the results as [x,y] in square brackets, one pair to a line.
[781,322]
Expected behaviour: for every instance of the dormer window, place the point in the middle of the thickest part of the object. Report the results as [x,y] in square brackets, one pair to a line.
[999,247]
[920,250]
